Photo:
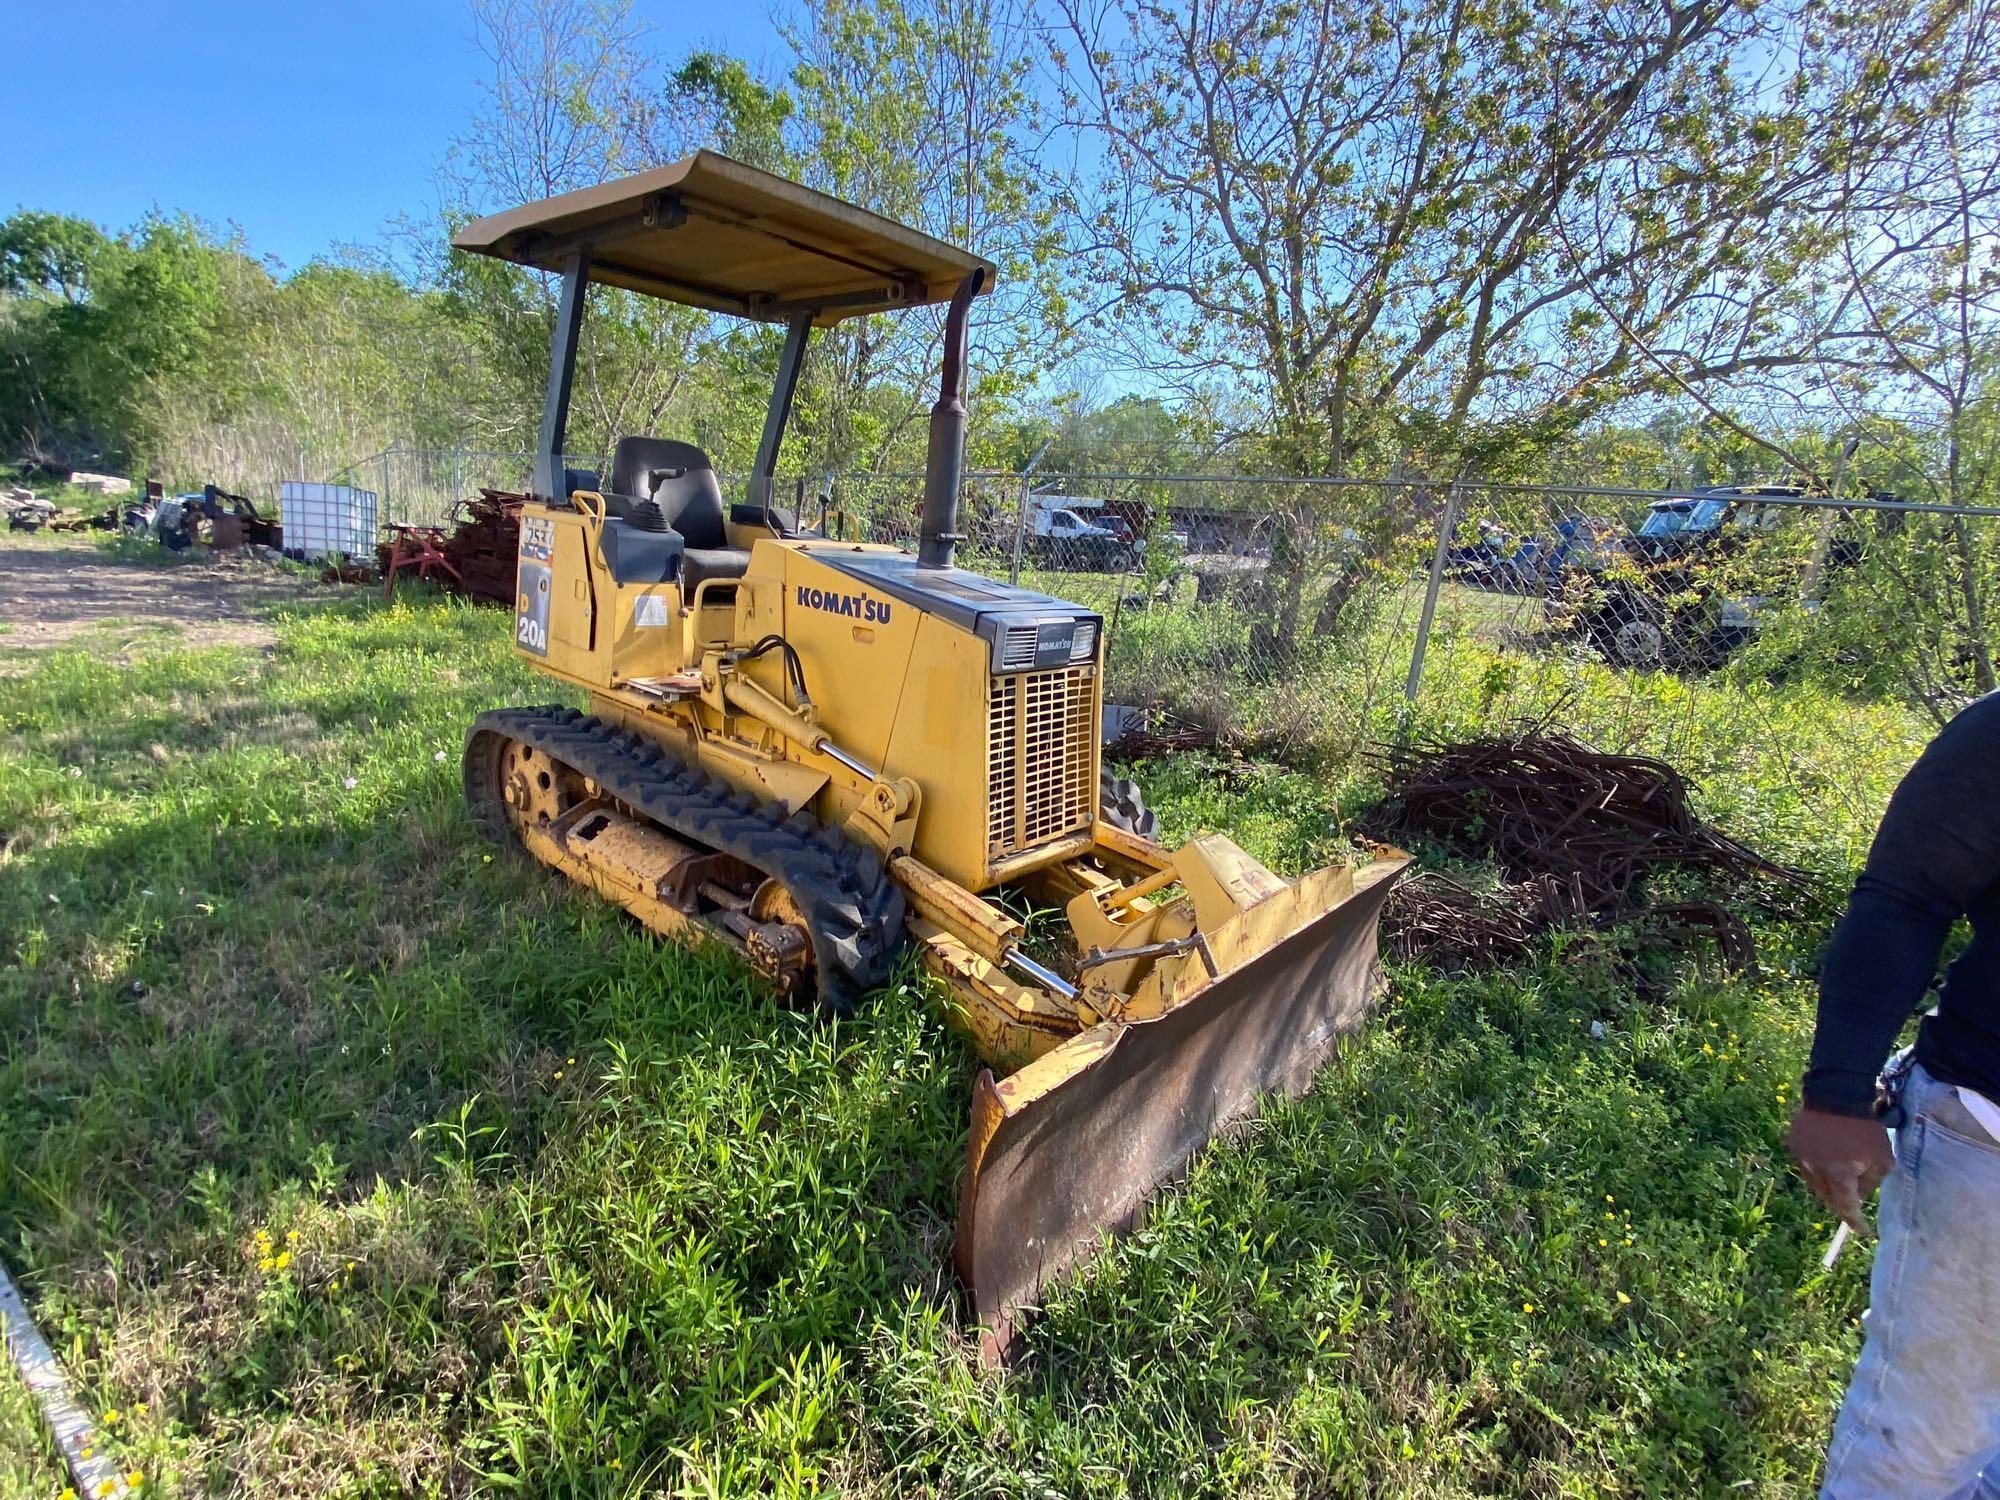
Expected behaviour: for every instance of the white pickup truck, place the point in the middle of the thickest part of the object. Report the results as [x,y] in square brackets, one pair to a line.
[1067,532]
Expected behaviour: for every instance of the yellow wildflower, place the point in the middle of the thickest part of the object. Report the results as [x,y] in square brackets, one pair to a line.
[1623,1300]
[284,1259]
[1527,1307]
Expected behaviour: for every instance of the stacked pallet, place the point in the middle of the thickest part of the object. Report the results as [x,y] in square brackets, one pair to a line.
[483,547]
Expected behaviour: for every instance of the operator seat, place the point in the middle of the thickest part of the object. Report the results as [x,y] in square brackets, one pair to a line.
[680,481]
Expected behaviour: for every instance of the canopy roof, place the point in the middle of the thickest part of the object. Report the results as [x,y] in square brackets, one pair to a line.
[711,232]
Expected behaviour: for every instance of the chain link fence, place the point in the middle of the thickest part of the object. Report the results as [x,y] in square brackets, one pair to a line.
[1296,619]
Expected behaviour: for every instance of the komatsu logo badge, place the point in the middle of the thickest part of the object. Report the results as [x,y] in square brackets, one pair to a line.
[851,606]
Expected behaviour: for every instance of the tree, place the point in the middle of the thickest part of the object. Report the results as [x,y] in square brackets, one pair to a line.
[1436,232]
[48,265]
[719,102]
[109,340]
[50,255]
[1916,292]
[567,104]
[921,110]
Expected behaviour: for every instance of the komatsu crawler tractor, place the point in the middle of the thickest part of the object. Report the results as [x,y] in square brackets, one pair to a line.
[822,753]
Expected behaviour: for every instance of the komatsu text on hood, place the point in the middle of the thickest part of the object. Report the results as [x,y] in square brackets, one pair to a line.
[852,606]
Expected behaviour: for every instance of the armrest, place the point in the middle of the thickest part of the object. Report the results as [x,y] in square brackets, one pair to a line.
[773,520]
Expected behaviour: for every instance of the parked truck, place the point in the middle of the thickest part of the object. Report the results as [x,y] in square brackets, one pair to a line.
[1079,534]
[1681,589]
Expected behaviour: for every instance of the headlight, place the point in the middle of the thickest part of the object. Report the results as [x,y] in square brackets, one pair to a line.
[1084,642]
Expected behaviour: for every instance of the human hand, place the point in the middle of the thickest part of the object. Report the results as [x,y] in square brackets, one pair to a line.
[1843,1159]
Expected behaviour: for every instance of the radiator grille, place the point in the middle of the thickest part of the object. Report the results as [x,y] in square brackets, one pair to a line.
[1038,755]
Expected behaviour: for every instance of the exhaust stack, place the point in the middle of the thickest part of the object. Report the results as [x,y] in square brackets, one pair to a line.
[944,462]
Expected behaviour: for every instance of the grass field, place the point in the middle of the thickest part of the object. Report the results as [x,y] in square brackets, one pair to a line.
[344,1155]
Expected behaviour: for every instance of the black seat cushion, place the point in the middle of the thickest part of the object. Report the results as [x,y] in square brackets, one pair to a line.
[701,564]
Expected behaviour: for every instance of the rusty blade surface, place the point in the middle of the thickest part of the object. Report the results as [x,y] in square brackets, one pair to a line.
[1068,1149]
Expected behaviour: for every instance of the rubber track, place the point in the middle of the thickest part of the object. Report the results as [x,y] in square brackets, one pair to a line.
[1121,804]
[853,911]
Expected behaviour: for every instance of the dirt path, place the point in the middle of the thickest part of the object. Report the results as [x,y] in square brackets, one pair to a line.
[52,594]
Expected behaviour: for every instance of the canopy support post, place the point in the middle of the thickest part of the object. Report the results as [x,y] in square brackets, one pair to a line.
[551,484]
[779,413]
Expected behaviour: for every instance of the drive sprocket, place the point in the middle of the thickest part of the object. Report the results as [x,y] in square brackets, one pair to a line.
[851,909]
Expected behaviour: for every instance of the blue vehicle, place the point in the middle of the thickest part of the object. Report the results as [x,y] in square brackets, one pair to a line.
[1647,601]
[1531,564]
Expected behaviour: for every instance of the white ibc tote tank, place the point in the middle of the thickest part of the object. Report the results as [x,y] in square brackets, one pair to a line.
[322,520]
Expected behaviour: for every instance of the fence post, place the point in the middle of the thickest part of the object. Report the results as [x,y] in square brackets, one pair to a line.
[1447,524]
[383,515]
[1020,527]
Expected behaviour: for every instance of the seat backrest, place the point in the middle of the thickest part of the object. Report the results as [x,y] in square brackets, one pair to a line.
[634,459]
[677,475]
[692,502]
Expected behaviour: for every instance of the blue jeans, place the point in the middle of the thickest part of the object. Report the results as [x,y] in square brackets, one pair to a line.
[1922,1417]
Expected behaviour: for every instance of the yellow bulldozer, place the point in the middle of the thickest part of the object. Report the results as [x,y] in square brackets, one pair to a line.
[824,753]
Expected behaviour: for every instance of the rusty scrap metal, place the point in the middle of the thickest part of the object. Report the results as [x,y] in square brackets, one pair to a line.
[482,549]
[1438,919]
[418,549]
[235,521]
[478,557]
[1575,831]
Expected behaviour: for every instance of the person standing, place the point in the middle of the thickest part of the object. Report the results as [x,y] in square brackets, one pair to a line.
[1922,1414]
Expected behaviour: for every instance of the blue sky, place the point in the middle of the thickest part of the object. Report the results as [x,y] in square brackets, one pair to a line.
[308,124]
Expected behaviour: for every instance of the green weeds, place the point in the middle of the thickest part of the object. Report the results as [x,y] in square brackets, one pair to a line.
[346,1155]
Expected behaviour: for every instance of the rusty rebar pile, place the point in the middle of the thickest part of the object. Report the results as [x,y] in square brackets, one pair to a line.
[1575,831]
[1434,917]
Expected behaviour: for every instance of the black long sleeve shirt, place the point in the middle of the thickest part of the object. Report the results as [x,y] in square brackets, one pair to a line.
[1936,858]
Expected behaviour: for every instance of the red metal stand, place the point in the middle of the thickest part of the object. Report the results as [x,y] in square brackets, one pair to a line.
[418,547]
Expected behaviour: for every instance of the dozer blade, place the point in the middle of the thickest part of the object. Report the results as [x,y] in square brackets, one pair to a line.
[1069,1148]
